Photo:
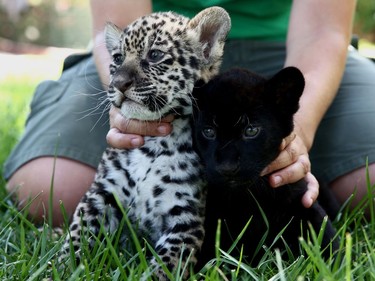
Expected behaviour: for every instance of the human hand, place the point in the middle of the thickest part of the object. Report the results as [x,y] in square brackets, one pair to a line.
[291,165]
[128,133]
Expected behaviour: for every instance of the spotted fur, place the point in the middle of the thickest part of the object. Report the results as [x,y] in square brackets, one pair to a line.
[156,62]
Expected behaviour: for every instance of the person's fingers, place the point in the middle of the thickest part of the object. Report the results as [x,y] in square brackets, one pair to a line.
[312,193]
[292,165]
[287,156]
[286,141]
[127,133]
[119,140]
[291,173]
[143,128]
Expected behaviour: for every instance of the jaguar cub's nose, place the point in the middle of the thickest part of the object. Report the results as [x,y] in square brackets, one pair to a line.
[122,82]
[228,169]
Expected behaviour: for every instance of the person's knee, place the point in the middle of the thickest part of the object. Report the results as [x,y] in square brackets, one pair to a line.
[63,180]
[353,184]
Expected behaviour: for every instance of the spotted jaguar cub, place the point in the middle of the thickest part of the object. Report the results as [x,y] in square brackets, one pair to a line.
[241,122]
[156,62]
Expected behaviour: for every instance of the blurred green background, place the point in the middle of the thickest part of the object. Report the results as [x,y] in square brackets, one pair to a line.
[66,23]
[60,23]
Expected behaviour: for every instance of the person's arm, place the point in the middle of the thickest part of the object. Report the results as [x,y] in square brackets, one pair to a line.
[318,38]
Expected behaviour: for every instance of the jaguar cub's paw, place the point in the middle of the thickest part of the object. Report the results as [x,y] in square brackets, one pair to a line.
[171,263]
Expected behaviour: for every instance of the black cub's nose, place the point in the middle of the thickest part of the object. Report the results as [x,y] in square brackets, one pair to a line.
[228,169]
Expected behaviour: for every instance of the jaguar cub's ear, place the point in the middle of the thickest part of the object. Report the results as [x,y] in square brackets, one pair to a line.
[210,28]
[112,36]
[286,88]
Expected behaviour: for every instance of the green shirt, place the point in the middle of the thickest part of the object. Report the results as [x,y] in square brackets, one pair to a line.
[252,19]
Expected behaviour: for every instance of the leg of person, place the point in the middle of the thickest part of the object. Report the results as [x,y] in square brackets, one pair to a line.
[346,137]
[32,184]
[62,144]
[353,182]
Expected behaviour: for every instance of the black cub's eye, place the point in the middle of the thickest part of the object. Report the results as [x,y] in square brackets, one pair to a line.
[117,58]
[155,55]
[209,133]
[251,132]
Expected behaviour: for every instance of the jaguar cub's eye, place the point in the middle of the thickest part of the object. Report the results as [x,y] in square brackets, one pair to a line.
[209,133]
[155,55]
[251,132]
[117,59]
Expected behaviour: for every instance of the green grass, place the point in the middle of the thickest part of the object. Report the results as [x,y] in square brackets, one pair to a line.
[28,252]
[13,111]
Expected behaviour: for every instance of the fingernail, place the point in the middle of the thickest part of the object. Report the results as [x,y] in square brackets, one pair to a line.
[309,202]
[162,129]
[264,172]
[283,144]
[277,181]
[135,142]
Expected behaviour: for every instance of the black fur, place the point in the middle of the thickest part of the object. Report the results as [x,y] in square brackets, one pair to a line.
[239,125]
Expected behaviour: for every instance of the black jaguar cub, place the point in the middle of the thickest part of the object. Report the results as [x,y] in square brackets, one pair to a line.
[239,126]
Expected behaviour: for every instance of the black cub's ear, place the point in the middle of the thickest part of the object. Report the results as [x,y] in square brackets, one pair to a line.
[285,89]
[200,94]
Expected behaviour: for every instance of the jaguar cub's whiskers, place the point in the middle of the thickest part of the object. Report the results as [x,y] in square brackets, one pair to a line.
[160,184]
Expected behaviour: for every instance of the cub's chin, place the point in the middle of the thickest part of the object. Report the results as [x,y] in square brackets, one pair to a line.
[133,110]
[234,182]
